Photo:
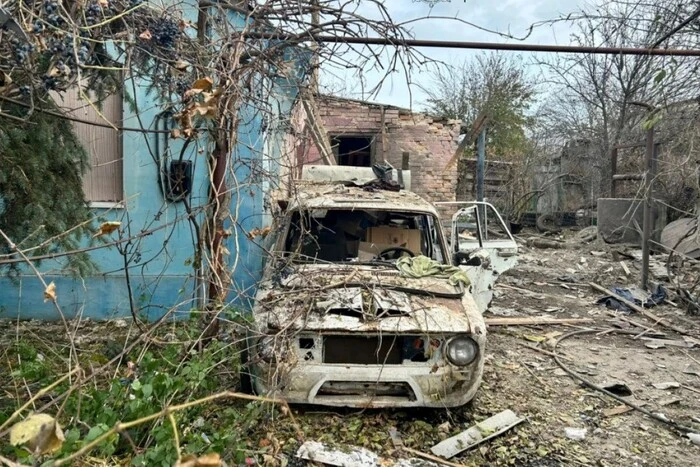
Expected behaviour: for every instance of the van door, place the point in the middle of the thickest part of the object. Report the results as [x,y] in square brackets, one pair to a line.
[482,245]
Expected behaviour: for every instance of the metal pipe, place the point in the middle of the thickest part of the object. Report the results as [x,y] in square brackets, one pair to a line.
[480,169]
[400,42]
[613,171]
[480,164]
[648,199]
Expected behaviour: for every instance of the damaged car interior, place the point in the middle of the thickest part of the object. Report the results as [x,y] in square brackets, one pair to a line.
[340,235]
[363,304]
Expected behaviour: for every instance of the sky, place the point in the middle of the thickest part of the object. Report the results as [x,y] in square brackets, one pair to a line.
[510,16]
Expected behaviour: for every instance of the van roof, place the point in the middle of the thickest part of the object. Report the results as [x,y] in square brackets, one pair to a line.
[324,195]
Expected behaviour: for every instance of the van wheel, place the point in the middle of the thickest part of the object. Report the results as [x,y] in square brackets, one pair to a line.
[547,223]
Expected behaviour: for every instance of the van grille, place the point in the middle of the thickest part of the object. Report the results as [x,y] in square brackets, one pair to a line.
[384,390]
[364,350]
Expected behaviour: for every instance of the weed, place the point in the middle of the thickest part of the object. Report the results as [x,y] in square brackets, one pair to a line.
[150,378]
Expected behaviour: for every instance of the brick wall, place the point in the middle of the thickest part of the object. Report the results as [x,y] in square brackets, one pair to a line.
[429,142]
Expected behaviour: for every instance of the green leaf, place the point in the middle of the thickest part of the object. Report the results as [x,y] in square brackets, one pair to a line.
[136,385]
[147,390]
[95,432]
[659,76]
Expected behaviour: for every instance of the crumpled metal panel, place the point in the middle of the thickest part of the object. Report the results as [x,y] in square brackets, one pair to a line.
[425,316]
[332,276]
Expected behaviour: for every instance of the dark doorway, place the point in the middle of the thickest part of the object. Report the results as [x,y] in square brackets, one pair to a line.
[353,150]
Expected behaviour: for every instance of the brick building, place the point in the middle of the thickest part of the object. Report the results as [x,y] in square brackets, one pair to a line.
[363,133]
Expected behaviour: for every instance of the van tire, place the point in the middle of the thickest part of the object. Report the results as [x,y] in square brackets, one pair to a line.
[547,223]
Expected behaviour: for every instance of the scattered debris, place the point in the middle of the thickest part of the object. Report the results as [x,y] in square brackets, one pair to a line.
[657,344]
[667,385]
[681,235]
[625,268]
[692,369]
[395,438]
[661,343]
[694,438]
[612,301]
[619,389]
[588,234]
[576,434]
[489,428]
[39,432]
[538,242]
[208,460]
[617,410]
[673,400]
[640,310]
[528,321]
[345,456]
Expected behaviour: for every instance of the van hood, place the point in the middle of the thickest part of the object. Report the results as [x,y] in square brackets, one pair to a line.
[333,276]
[361,299]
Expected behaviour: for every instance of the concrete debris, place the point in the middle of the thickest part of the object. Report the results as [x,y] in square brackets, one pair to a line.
[655,345]
[667,385]
[576,434]
[692,369]
[538,242]
[694,438]
[477,434]
[352,456]
[341,457]
[668,342]
[588,234]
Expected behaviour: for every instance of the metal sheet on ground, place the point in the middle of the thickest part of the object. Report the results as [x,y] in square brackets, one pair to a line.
[489,428]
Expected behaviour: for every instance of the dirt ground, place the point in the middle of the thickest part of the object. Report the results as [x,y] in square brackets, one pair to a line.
[534,386]
[546,283]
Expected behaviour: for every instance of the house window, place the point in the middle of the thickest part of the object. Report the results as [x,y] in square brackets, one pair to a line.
[103,181]
[356,151]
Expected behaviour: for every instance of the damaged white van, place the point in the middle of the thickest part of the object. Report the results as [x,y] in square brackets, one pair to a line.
[364,302]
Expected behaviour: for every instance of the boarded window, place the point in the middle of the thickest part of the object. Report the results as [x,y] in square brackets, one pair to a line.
[103,181]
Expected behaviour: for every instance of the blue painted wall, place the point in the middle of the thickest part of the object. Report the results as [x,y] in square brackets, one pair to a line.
[161,274]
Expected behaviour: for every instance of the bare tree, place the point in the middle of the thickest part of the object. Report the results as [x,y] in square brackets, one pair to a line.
[596,96]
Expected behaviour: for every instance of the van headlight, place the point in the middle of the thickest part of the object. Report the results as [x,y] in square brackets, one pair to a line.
[461,350]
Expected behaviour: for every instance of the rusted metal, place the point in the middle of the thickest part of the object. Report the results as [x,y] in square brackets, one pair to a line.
[649,176]
[363,334]
[614,159]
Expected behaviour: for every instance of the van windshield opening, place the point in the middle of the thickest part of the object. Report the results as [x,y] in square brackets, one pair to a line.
[365,236]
